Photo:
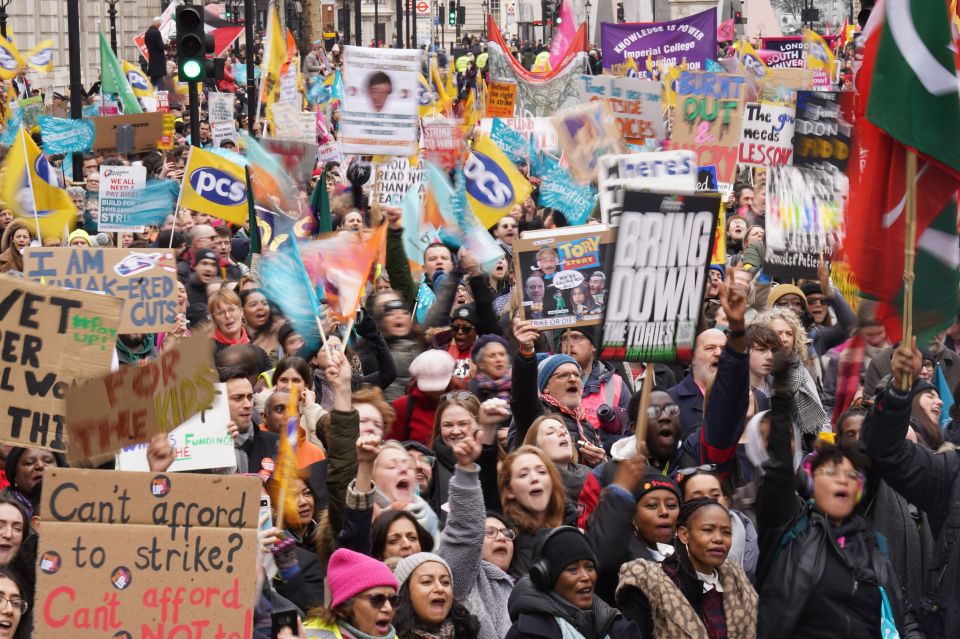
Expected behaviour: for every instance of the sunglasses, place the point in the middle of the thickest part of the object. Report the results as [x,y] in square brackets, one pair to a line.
[683,473]
[378,600]
[456,395]
[670,410]
[462,328]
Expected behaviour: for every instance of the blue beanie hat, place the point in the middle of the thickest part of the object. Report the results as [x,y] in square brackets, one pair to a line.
[483,340]
[549,366]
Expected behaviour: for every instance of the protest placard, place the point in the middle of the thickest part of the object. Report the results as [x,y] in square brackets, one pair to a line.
[381,103]
[118,192]
[822,135]
[307,131]
[514,144]
[223,132]
[780,86]
[656,276]
[442,140]
[693,38]
[145,279]
[560,274]
[394,177]
[169,127]
[33,108]
[62,135]
[199,443]
[285,118]
[52,339]
[130,406]
[674,171]
[329,152]
[163,101]
[637,104]
[767,137]
[500,99]
[144,555]
[147,129]
[220,107]
[585,133]
[804,219]
[708,118]
[559,191]
[542,129]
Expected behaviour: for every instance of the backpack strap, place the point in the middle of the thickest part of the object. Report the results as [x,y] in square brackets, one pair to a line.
[798,528]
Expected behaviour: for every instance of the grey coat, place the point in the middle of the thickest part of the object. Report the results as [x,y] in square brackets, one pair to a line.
[482,586]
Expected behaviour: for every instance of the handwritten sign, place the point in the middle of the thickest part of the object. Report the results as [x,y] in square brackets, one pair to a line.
[146,279]
[146,555]
[767,137]
[118,191]
[637,104]
[199,443]
[220,106]
[442,140]
[394,178]
[135,403]
[708,118]
[500,99]
[51,339]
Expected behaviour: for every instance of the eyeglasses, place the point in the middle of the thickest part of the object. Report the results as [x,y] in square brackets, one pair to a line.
[456,395]
[566,376]
[492,531]
[833,471]
[670,410]
[16,603]
[462,328]
[226,311]
[683,473]
[378,600]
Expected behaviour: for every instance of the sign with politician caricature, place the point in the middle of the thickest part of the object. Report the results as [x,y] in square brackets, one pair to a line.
[380,112]
[656,273]
[560,275]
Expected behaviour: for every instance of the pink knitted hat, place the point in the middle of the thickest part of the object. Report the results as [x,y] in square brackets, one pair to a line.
[350,573]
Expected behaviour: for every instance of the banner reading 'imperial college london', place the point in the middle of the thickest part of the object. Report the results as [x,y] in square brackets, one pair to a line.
[693,38]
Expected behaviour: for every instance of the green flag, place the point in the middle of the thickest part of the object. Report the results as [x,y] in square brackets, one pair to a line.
[320,204]
[114,80]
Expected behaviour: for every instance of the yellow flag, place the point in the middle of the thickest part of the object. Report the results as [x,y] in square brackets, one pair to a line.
[818,55]
[493,183]
[215,186]
[31,188]
[275,55]
[444,99]
[751,62]
[40,58]
[10,60]
[426,98]
[451,86]
[138,81]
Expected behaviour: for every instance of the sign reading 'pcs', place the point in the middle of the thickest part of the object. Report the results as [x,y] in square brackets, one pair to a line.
[217,186]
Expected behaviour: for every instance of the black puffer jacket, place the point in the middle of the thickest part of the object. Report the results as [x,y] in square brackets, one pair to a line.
[817,579]
[534,614]
[931,482]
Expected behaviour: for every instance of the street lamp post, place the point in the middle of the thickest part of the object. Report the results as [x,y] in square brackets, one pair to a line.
[485,6]
[112,13]
[586,7]
[3,16]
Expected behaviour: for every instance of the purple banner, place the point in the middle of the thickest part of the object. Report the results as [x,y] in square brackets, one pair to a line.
[787,51]
[693,38]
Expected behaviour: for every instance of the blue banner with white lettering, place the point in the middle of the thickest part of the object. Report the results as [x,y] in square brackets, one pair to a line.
[62,135]
[558,190]
[512,143]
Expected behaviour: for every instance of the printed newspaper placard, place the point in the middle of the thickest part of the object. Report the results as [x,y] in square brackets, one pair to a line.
[656,275]
[118,192]
[145,279]
[674,171]
[561,276]
[638,105]
[53,338]
[708,118]
[380,105]
[133,404]
[500,99]
[141,555]
[767,137]
[199,443]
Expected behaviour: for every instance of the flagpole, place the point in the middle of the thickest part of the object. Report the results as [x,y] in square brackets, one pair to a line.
[33,196]
[910,250]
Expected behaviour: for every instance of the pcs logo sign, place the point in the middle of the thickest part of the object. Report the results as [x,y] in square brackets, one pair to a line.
[7,61]
[486,182]
[137,81]
[218,187]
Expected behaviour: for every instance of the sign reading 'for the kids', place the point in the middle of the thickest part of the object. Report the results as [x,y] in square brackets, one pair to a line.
[145,279]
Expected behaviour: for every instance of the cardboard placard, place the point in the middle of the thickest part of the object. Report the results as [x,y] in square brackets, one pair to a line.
[51,339]
[638,105]
[135,403]
[708,118]
[556,271]
[147,127]
[662,170]
[118,191]
[767,137]
[586,133]
[143,555]
[220,107]
[656,276]
[199,443]
[145,278]
[500,99]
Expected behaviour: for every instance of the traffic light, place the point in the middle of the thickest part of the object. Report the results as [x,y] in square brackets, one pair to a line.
[621,16]
[738,18]
[461,15]
[191,43]
[452,13]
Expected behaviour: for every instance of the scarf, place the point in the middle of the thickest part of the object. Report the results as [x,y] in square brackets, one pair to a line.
[497,387]
[243,462]
[443,631]
[589,624]
[356,634]
[226,341]
[576,415]
[855,540]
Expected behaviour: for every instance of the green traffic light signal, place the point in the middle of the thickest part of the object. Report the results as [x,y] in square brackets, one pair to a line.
[452,19]
[192,70]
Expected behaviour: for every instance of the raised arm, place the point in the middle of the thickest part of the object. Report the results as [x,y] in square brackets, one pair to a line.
[524,395]
[398,267]
[344,430]
[461,542]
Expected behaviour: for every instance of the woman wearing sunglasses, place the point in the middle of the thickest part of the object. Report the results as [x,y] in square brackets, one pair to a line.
[845,579]
[363,599]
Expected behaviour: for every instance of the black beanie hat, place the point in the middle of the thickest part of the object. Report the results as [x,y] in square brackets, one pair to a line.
[563,548]
[655,480]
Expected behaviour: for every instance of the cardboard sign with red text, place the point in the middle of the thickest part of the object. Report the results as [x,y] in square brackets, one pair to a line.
[142,555]
[131,405]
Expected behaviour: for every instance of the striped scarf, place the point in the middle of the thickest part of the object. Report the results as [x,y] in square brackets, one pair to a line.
[848,376]
[578,416]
